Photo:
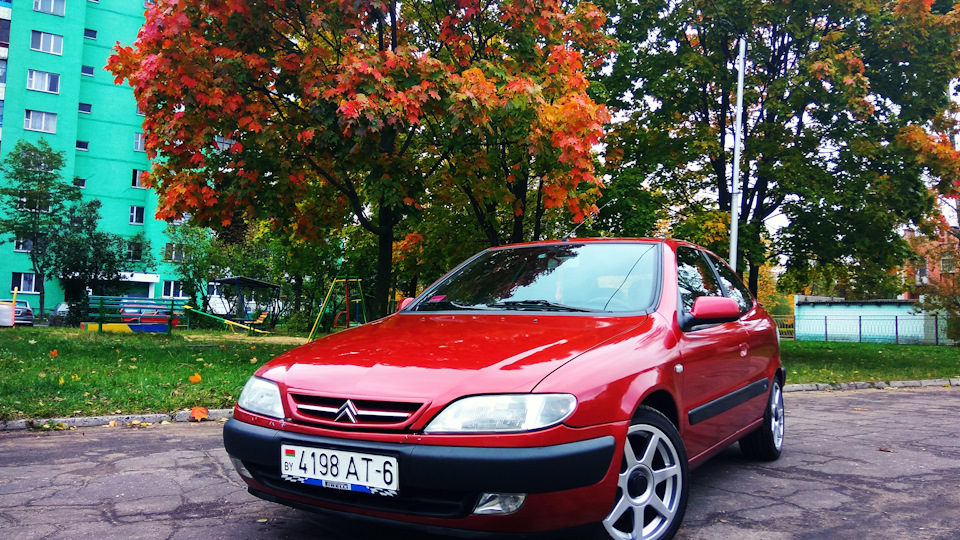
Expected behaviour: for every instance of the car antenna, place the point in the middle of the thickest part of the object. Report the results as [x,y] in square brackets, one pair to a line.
[566,237]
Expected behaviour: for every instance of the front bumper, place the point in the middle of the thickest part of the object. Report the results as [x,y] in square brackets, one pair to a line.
[436,482]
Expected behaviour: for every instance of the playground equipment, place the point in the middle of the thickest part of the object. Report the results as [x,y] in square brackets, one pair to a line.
[232,324]
[359,305]
[239,305]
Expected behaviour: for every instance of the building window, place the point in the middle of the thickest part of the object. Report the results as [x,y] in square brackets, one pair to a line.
[79,182]
[1,113]
[83,145]
[171,289]
[138,143]
[24,281]
[136,215]
[40,121]
[172,252]
[43,81]
[4,32]
[134,251]
[86,108]
[89,34]
[135,181]
[53,7]
[3,70]
[948,265]
[48,43]
[23,244]
[87,70]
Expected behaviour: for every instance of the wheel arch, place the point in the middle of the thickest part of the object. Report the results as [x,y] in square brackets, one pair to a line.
[663,402]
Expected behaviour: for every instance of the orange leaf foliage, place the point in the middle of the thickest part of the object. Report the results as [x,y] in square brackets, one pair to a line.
[199,413]
[195,378]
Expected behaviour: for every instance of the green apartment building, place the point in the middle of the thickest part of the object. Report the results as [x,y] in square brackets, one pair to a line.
[53,85]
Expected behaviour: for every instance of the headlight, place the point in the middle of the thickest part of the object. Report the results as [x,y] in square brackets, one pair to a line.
[262,397]
[507,413]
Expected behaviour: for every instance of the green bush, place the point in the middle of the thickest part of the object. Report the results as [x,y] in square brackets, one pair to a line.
[300,321]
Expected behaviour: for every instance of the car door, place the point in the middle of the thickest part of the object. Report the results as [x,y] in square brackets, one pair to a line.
[714,373]
[760,328]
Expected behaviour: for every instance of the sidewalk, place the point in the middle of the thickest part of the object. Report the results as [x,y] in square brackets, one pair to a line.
[223,414]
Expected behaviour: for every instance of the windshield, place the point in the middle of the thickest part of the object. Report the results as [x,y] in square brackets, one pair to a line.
[589,277]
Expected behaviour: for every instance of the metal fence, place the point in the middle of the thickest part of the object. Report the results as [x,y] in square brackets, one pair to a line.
[919,329]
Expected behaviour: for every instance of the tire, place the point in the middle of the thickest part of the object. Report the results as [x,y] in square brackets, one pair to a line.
[653,486]
[766,443]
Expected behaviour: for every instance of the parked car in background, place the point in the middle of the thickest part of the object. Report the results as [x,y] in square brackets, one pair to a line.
[146,314]
[58,315]
[537,386]
[22,312]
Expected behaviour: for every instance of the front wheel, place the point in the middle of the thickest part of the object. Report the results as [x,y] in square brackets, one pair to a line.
[653,485]
[766,443]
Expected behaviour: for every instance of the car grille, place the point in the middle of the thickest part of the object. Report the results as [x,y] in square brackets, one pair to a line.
[411,500]
[343,413]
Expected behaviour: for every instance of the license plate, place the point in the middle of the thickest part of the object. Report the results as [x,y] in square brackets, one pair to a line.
[337,469]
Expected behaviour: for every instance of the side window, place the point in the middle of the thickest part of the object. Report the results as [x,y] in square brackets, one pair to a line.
[732,286]
[695,277]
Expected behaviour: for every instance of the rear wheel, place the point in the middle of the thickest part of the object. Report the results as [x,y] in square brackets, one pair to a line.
[766,443]
[653,485]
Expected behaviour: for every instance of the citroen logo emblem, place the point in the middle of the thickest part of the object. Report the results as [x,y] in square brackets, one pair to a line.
[348,412]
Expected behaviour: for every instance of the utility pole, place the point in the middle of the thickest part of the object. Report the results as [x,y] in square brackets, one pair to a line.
[737,139]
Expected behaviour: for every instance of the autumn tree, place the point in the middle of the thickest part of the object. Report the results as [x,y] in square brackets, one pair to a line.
[297,111]
[33,204]
[846,116]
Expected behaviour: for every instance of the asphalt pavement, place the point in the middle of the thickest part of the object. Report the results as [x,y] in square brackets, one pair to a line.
[856,464]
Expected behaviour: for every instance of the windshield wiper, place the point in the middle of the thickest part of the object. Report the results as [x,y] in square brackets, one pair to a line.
[445,305]
[538,305]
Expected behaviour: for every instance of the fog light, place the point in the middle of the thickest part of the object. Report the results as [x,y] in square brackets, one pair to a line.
[240,468]
[499,504]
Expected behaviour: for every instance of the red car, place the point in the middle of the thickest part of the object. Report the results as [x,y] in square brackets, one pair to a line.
[535,387]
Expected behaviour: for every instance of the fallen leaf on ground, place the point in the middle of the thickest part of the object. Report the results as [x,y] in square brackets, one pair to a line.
[199,413]
[195,378]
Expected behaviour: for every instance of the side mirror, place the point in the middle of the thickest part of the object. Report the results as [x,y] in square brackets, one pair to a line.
[404,303]
[713,310]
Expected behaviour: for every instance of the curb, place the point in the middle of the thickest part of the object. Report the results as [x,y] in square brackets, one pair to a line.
[870,385]
[220,415]
[125,420]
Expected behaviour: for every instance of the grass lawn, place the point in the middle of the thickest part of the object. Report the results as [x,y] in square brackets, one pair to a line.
[54,372]
[836,362]
[62,372]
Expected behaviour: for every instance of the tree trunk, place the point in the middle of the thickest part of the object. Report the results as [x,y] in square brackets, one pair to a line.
[381,300]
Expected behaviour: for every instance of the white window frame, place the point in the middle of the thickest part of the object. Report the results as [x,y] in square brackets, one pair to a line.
[135,179]
[89,33]
[83,146]
[137,214]
[49,43]
[948,264]
[22,245]
[173,252]
[50,6]
[85,108]
[172,289]
[135,251]
[44,122]
[139,144]
[85,69]
[32,282]
[43,81]
[79,183]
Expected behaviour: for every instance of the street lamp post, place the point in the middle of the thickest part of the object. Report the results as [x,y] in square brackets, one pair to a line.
[737,139]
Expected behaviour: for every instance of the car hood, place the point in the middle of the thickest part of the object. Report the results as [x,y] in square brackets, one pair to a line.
[438,357]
